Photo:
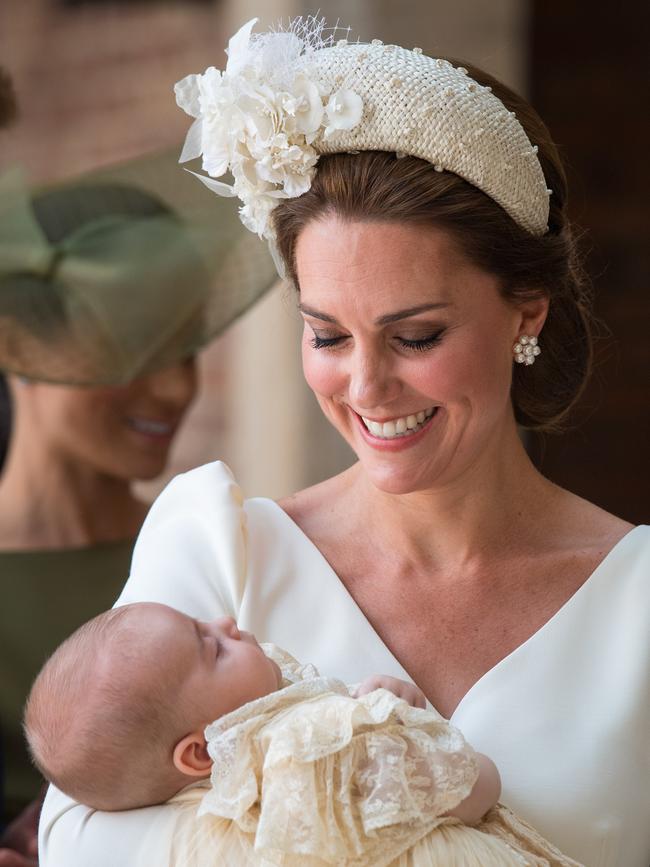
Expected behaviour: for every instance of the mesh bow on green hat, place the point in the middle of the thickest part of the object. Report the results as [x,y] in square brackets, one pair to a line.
[119,274]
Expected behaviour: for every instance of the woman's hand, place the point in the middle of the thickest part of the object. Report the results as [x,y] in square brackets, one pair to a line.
[19,843]
[11,858]
[406,691]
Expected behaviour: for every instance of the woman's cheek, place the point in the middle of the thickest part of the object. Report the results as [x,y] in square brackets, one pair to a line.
[440,374]
[454,371]
[321,370]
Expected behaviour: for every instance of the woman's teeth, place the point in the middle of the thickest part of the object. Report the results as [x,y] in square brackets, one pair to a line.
[399,427]
[151,427]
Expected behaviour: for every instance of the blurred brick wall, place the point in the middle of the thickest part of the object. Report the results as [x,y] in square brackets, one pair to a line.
[94,84]
[94,81]
[491,35]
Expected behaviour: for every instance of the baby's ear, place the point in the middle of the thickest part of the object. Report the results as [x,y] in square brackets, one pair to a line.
[191,756]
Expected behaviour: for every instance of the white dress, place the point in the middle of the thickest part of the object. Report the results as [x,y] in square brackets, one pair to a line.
[565,716]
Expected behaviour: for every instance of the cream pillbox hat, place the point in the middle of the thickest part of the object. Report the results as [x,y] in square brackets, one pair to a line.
[285,98]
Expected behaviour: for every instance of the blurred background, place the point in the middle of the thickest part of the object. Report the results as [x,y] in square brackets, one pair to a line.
[94,81]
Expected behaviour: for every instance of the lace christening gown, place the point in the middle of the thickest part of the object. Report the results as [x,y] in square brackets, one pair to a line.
[309,776]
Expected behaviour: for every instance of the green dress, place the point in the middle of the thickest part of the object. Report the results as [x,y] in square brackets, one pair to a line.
[44,597]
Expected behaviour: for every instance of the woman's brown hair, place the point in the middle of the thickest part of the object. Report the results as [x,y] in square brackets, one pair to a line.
[380,186]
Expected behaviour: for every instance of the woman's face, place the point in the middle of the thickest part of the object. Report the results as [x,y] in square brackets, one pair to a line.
[121,431]
[408,348]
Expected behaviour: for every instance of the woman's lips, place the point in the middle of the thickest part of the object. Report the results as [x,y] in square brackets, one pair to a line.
[155,429]
[401,440]
[406,425]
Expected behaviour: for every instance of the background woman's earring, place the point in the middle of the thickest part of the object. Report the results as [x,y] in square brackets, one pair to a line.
[526,350]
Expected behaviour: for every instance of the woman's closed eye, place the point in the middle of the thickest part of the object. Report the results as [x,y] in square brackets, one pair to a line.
[421,344]
[417,344]
[319,342]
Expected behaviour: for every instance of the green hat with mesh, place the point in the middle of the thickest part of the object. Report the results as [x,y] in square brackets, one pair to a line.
[111,276]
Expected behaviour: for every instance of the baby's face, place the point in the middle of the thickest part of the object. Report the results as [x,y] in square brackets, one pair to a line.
[222,666]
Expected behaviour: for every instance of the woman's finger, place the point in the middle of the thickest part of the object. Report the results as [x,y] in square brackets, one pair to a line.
[10,858]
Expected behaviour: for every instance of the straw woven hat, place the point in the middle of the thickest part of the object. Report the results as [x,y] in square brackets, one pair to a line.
[287,97]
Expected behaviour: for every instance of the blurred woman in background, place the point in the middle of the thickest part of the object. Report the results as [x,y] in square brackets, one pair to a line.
[18,846]
[68,518]
[105,297]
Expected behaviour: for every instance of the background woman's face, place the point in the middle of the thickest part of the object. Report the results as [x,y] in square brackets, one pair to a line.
[408,348]
[122,431]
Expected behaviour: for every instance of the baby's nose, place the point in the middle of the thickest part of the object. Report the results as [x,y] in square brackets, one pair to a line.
[229,626]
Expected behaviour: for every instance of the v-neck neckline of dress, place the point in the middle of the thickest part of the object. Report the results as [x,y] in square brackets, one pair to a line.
[535,637]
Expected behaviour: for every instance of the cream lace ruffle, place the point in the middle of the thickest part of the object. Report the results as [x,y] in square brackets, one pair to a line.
[312,772]
[309,776]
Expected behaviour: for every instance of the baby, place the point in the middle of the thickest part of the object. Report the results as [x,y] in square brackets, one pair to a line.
[143,700]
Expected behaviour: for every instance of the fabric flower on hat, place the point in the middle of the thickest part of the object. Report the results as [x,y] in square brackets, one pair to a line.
[344,111]
[258,119]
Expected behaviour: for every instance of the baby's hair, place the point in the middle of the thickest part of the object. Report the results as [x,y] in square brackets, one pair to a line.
[98,724]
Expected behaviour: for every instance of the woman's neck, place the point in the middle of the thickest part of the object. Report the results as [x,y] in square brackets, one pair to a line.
[497,503]
[50,501]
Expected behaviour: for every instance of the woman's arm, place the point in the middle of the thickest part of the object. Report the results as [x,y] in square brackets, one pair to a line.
[18,843]
[190,554]
[72,835]
[11,858]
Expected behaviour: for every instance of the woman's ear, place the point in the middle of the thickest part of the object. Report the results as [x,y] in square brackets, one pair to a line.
[191,756]
[532,315]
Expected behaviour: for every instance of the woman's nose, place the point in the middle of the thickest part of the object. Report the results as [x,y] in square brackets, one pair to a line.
[372,384]
[175,385]
[229,626]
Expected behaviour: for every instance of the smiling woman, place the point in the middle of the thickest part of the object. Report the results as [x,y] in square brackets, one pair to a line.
[380,189]
[424,228]
[390,349]
[67,514]
[105,297]
[121,432]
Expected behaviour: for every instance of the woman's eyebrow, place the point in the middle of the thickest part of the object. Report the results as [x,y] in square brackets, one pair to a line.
[383,320]
[410,311]
[315,314]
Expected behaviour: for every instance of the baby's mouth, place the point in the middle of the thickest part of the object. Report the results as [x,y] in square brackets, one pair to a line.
[403,426]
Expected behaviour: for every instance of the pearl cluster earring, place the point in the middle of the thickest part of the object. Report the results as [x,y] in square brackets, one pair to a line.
[526,349]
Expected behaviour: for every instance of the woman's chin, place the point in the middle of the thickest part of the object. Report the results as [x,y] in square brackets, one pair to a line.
[392,480]
[134,467]
[150,471]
